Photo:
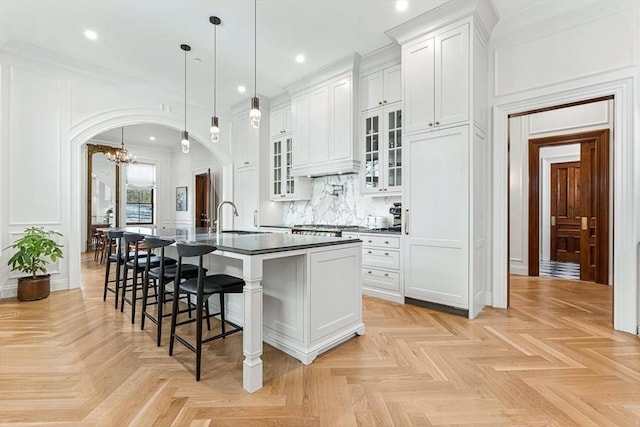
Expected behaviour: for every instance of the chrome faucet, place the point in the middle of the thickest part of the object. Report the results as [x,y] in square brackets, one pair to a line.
[219,217]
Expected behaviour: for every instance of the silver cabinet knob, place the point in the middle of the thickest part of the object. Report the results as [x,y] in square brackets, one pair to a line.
[386,253]
[368,252]
[386,274]
[437,123]
[430,124]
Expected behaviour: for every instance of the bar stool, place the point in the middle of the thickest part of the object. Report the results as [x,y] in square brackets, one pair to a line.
[202,287]
[136,263]
[162,275]
[114,239]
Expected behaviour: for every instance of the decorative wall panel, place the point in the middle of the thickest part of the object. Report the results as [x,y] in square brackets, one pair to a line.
[34,148]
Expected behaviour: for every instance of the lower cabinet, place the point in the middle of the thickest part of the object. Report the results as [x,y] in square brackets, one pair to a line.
[381,262]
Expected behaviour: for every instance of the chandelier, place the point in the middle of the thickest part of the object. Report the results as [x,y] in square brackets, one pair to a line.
[120,156]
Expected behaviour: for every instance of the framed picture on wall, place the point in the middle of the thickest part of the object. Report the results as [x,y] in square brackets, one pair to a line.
[181,199]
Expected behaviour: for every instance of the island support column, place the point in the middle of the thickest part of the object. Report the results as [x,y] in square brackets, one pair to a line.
[252,332]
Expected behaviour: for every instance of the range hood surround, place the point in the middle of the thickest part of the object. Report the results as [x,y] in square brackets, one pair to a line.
[334,168]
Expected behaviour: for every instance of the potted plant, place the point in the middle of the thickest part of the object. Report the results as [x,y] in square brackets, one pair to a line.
[33,252]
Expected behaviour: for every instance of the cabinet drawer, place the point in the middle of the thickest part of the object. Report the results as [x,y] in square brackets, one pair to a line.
[381,258]
[380,279]
[381,241]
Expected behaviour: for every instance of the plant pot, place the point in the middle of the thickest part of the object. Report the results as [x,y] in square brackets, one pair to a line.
[30,289]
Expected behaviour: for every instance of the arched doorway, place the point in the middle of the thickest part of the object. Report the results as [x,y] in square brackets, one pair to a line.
[78,137]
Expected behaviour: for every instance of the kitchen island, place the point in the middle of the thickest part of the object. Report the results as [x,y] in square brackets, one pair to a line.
[302,293]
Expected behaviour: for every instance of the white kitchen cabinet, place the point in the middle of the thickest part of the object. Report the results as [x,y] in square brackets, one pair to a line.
[247,198]
[322,121]
[251,172]
[280,121]
[436,209]
[284,186]
[381,139]
[381,88]
[436,73]
[381,265]
[445,157]
[245,147]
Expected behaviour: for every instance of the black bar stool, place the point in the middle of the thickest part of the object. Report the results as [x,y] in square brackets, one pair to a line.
[162,275]
[114,239]
[136,262]
[202,287]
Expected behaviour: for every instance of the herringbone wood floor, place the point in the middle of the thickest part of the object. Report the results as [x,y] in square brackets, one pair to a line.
[551,359]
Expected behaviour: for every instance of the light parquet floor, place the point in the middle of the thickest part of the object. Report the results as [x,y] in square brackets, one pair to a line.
[551,359]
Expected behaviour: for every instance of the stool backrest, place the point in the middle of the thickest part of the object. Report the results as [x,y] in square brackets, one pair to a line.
[114,237]
[157,242]
[154,243]
[191,250]
[135,239]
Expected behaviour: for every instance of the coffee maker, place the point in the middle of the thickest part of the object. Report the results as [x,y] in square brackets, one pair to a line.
[396,211]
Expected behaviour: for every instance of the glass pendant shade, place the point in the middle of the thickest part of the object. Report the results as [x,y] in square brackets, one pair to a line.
[185,142]
[214,129]
[255,115]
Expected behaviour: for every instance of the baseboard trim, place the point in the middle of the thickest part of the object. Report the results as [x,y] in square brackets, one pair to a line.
[439,307]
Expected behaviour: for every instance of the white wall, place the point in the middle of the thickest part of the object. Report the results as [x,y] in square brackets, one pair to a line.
[555,53]
[581,118]
[47,112]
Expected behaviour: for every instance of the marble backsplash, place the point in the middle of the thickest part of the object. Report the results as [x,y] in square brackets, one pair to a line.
[346,208]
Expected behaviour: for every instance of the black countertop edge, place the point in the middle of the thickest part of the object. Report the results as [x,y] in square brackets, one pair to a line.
[284,248]
[369,231]
[276,226]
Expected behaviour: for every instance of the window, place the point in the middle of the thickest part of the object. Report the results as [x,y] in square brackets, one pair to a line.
[140,193]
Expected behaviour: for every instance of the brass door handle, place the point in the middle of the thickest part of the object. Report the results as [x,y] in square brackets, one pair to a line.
[553,221]
[585,223]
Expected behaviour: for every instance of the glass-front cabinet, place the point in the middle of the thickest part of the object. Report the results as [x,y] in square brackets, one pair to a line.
[284,186]
[382,148]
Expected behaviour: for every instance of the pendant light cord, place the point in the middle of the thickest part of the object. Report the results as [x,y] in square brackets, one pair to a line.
[185,90]
[215,54]
[255,49]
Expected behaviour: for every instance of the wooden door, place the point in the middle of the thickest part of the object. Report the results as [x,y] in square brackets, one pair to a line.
[565,212]
[594,210]
[203,199]
[594,202]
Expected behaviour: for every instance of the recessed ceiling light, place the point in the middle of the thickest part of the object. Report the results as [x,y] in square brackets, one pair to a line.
[152,138]
[402,5]
[242,89]
[300,58]
[90,34]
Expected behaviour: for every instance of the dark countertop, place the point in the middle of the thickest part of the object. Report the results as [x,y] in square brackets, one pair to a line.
[276,226]
[241,242]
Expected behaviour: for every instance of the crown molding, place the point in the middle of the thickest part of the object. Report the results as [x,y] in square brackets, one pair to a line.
[448,13]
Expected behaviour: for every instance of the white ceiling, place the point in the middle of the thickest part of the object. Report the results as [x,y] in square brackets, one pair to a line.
[139,40]
[138,135]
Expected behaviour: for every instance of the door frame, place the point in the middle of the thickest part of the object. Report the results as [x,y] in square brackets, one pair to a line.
[626,225]
[601,139]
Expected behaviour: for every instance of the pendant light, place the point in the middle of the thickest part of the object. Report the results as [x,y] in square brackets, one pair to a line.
[254,115]
[215,129]
[185,135]
[121,156]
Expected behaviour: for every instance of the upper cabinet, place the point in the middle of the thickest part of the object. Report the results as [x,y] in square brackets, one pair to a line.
[381,135]
[280,123]
[283,185]
[246,139]
[381,88]
[322,121]
[436,80]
